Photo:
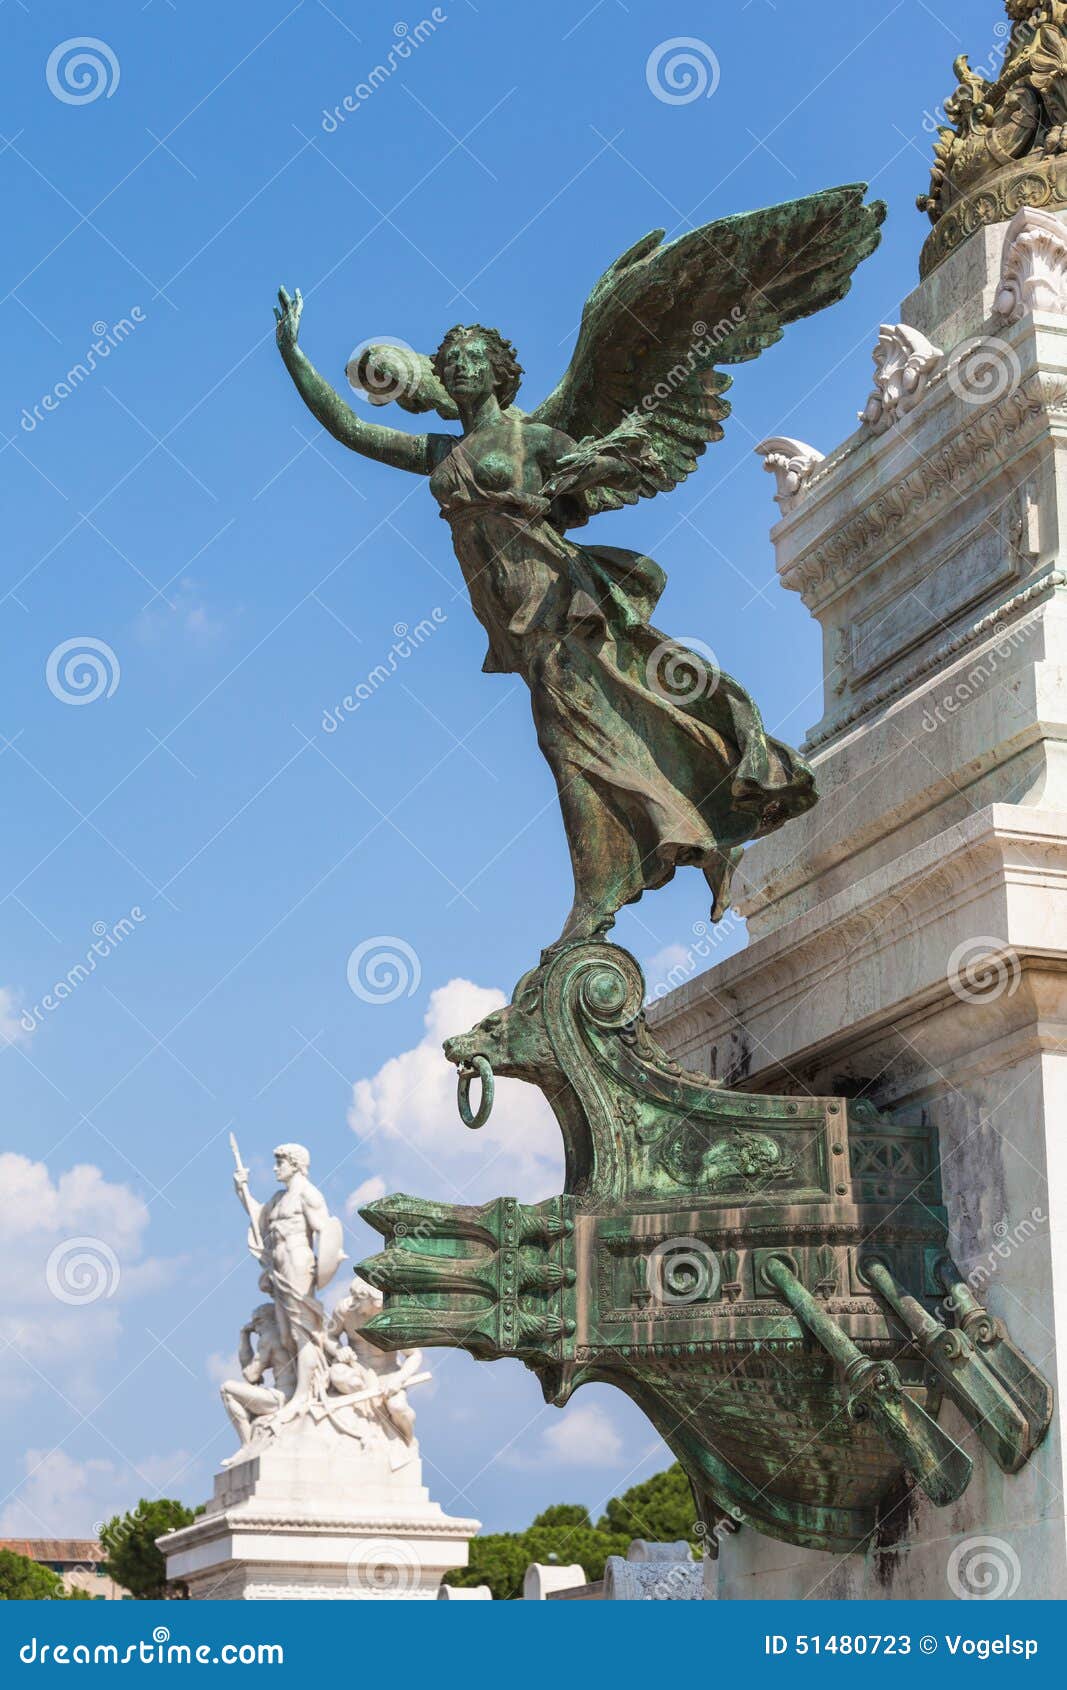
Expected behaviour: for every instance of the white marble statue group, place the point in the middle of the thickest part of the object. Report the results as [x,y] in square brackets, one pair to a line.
[299,1363]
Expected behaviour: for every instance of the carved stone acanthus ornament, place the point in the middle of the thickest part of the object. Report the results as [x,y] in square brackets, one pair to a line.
[832,562]
[1033,274]
[791,463]
[1004,145]
[903,362]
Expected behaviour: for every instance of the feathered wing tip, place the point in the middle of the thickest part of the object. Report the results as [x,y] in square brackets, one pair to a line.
[662,320]
[823,240]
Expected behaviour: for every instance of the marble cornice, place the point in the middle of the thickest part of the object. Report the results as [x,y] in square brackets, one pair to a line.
[237,1520]
[889,909]
[941,656]
[833,560]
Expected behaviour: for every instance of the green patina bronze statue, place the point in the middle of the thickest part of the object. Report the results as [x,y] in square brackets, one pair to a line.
[660,760]
[767,1277]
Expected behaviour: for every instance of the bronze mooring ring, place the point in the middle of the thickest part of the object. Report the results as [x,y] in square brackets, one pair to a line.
[482,1068]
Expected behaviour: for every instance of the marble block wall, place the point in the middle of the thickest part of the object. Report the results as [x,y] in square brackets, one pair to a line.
[908,937]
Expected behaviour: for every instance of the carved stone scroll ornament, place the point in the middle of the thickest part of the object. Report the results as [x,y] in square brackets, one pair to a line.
[791,463]
[1033,275]
[765,1276]
[904,360]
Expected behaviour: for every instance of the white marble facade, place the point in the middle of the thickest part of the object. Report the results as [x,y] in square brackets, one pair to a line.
[908,937]
[315,1514]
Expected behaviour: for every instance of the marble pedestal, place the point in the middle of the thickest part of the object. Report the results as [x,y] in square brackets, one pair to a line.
[908,937]
[313,1515]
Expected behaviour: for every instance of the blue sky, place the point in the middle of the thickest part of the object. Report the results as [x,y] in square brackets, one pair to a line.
[244,574]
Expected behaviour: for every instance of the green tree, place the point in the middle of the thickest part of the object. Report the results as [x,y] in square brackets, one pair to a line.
[660,1509]
[564,1533]
[563,1515]
[498,1560]
[129,1541]
[23,1580]
[565,1545]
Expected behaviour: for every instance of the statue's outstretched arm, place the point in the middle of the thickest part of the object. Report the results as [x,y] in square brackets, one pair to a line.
[386,445]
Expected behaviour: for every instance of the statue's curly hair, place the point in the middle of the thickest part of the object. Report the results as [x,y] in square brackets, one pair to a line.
[507,371]
[297,1154]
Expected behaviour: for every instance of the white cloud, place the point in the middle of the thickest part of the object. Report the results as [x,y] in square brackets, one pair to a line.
[61,1497]
[12,1030]
[185,611]
[368,1192]
[582,1436]
[409,1110]
[221,1366]
[80,1201]
[71,1258]
[660,969]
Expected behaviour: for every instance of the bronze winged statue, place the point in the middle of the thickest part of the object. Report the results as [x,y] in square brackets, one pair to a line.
[660,760]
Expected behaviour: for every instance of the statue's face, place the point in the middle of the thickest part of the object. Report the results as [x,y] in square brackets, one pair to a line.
[467,372]
[284,1169]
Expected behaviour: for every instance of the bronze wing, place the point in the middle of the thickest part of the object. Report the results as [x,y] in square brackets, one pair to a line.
[662,319]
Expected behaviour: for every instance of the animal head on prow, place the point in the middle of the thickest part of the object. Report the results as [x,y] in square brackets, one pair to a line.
[589,990]
[514,1040]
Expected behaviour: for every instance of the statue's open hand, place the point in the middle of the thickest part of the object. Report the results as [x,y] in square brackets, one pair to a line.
[288,318]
